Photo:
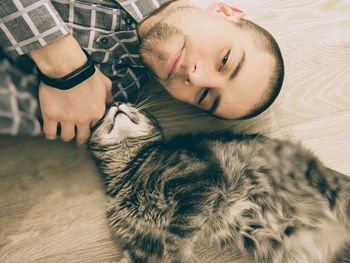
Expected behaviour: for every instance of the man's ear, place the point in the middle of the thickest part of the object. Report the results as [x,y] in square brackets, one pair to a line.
[230,12]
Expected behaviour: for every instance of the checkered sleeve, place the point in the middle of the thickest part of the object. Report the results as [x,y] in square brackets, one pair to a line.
[141,9]
[26,25]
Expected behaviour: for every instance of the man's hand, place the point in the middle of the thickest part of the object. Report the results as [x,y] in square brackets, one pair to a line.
[78,108]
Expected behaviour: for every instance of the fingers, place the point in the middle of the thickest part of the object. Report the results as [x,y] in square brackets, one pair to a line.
[109,96]
[50,129]
[67,131]
[98,116]
[83,133]
[70,113]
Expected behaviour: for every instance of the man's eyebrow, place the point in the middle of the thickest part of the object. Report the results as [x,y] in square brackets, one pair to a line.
[215,105]
[238,68]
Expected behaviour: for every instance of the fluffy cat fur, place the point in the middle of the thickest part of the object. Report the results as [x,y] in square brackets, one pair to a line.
[271,199]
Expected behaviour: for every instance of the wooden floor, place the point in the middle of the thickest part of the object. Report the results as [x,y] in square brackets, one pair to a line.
[51,198]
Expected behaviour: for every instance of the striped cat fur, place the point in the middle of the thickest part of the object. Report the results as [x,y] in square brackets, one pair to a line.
[271,199]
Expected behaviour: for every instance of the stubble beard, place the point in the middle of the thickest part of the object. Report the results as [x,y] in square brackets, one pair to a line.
[160,33]
[150,48]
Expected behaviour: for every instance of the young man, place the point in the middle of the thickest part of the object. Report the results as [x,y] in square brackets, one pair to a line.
[204,54]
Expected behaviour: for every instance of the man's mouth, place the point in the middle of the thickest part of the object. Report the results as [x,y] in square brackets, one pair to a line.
[174,64]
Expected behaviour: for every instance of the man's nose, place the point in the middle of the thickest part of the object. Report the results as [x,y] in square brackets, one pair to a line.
[201,75]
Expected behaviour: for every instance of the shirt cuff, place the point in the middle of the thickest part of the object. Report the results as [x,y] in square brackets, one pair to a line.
[24,27]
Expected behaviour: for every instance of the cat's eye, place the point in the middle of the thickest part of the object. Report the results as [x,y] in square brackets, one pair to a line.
[204,94]
[224,60]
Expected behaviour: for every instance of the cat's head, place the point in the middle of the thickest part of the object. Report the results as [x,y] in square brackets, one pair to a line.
[123,122]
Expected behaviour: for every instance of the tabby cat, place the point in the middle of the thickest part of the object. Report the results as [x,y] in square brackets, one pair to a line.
[271,199]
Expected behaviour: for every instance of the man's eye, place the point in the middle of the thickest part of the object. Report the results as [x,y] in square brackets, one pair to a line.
[204,94]
[225,59]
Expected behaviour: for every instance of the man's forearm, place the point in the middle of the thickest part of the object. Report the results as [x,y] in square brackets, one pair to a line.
[60,57]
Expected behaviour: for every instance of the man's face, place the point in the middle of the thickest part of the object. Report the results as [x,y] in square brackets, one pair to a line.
[209,61]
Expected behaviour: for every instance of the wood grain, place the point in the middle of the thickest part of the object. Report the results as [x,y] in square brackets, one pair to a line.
[51,197]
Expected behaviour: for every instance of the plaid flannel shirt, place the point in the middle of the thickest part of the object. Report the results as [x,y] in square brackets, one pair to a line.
[105,28]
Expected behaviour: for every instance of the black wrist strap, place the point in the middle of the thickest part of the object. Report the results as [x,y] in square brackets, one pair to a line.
[72,79]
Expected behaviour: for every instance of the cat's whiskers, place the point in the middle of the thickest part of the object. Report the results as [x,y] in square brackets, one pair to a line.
[87,144]
[94,134]
[139,104]
[139,96]
[146,104]
[150,104]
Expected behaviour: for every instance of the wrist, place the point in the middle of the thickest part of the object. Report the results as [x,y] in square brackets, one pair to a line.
[72,79]
[59,58]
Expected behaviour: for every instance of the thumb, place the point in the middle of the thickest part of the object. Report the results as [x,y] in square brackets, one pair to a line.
[109,97]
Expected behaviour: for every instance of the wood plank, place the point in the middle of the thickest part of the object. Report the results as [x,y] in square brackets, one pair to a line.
[51,198]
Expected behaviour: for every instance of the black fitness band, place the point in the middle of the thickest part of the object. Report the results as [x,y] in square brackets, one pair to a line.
[72,79]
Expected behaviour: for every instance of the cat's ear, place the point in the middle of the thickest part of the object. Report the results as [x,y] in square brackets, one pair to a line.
[227,10]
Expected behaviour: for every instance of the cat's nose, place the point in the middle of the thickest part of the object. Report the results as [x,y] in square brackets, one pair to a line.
[117,104]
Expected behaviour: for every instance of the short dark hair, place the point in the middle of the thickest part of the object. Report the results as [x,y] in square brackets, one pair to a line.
[276,80]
